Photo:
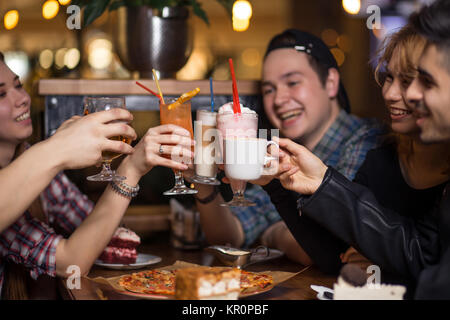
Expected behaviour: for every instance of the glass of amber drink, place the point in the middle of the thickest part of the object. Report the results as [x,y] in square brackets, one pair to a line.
[179,114]
[95,104]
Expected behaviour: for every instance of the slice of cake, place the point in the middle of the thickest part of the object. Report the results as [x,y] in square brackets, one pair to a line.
[121,248]
[207,283]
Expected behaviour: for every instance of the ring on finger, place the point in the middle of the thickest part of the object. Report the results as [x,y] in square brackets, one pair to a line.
[161,151]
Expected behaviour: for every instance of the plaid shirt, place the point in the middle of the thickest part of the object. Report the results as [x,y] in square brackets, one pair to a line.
[344,147]
[33,243]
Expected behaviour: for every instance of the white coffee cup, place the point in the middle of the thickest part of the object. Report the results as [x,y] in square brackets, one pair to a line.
[245,158]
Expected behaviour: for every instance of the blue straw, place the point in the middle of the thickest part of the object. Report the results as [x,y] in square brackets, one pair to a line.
[212,94]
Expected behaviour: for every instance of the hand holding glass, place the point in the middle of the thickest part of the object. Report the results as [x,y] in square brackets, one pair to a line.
[95,104]
[180,115]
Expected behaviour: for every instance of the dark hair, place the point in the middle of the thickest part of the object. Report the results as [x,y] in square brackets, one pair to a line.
[288,39]
[433,22]
[409,45]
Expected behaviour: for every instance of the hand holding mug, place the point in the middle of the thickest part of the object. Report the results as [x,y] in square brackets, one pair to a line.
[303,171]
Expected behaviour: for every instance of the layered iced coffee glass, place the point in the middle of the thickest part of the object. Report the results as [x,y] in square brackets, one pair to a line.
[207,148]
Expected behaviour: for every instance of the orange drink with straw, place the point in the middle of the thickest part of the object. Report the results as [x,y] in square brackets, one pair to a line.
[179,115]
[178,112]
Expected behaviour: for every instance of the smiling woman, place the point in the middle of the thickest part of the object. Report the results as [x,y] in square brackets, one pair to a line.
[30,216]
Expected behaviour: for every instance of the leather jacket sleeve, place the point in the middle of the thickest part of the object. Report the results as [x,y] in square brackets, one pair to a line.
[323,248]
[398,244]
[434,281]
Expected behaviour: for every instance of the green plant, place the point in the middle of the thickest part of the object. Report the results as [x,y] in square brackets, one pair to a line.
[95,8]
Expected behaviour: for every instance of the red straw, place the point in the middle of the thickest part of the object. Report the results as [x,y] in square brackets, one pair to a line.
[144,87]
[236,104]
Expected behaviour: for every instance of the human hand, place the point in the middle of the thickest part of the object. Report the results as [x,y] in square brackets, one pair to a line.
[175,142]
[79,141]
[301,171]
[354,257]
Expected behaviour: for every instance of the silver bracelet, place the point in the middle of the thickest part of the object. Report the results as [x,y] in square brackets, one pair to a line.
[124,189]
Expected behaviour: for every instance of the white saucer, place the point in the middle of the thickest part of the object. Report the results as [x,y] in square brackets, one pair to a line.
[142,261]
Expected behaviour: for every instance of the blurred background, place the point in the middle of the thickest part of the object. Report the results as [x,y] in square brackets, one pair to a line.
[37,43]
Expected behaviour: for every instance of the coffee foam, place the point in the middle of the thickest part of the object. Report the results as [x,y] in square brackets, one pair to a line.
[228,108]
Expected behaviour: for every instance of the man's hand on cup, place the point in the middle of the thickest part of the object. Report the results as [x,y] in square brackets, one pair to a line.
[80,141]
[300,170]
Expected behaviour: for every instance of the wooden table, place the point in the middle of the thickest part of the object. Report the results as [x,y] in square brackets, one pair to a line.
[295,288]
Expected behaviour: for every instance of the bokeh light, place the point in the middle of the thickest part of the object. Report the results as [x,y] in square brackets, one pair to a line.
[11,19]
[50,9]
[240,24]
[351,6]
[72,58]
[242,9]
[339,55]
[99,53]
[18,62]
[344,43]
[329,36]
[60,57]
[46,58]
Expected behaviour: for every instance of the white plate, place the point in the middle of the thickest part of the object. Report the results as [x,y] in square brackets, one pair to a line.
[142,261]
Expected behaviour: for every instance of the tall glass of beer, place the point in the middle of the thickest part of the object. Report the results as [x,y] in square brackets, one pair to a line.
[95,104]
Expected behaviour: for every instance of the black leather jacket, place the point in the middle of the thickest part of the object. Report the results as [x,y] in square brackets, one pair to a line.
[416,251]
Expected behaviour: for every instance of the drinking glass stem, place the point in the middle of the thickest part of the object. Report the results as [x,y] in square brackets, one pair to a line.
[238,187]
[179,181]
[106,167]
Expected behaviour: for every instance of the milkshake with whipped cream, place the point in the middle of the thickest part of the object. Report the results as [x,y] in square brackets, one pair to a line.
[233,126]
[243,125]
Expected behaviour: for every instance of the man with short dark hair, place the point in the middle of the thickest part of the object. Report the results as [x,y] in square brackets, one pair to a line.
[305,99]
[430,92]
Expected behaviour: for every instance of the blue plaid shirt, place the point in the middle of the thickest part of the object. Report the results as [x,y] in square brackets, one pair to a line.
[344,147]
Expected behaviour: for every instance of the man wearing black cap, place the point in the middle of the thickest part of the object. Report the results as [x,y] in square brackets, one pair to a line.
[304,98]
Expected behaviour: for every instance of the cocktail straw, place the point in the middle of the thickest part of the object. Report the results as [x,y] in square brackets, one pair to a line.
[157,85]
[145,88]
[212,93]
[236,104]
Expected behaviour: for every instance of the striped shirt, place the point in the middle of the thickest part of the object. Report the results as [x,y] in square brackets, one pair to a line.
[33,243]
[343,146]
